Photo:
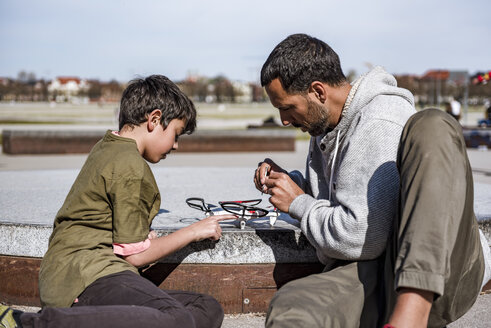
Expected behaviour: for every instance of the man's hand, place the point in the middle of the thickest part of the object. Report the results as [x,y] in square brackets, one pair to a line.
[263,170]
[283,190]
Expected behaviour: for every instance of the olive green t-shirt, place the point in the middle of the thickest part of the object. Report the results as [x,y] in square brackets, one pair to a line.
[113,200]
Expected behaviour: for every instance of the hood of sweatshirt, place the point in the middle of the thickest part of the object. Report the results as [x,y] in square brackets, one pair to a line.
[366,89]
[375,83]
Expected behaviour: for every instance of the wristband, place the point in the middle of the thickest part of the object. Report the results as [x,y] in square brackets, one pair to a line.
[388,325]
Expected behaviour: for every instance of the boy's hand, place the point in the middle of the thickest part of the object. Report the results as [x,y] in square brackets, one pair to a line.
[152,234]
[263,170]
[209,227]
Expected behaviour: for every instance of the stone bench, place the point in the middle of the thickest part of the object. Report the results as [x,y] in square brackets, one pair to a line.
[242,270]
[64,141]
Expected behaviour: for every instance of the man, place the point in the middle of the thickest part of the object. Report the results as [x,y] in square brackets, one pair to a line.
[348,199]
[453,109]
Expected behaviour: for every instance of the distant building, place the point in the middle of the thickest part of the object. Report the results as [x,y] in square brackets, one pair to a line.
[436,86]
[4,81]
[243,91]
[435,75]
[68,89]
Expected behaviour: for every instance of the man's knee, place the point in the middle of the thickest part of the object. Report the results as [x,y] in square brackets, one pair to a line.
[316,301]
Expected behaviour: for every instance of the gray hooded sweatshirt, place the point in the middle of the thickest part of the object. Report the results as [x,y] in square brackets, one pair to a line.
[351,183]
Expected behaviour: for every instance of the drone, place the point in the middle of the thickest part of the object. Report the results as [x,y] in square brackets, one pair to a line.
[244,209]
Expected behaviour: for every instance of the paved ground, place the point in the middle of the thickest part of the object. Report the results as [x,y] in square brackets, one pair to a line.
[477,317]
[480,160]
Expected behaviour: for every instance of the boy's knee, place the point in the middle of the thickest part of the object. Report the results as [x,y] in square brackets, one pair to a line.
[182,318]
[214,312]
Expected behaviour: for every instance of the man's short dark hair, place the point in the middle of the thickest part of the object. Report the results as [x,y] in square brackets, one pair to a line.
[299,60]
[142,96]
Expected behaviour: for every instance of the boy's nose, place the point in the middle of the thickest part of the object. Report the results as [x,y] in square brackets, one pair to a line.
[175,146]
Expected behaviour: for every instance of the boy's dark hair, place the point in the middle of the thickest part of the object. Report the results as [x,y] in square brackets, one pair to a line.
[299,60]
[142,96]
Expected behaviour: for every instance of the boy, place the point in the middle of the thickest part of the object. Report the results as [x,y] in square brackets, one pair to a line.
[89,275]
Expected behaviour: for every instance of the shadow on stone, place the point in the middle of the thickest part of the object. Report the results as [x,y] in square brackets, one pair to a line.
[286,245]
[159,271]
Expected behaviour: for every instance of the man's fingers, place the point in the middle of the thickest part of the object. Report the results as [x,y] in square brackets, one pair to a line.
[260,175]
[257,180]
[276,175]
[264,172]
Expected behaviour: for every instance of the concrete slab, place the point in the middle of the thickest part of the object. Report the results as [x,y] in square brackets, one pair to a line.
[27,214]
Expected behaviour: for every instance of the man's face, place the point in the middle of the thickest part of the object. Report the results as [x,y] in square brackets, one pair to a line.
[300,110]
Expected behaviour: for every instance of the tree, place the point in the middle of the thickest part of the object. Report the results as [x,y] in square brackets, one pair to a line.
[223,89]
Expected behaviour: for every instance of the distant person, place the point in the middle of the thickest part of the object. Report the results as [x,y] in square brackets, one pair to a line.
[455,109]
[350,202]
[487,106]
[448,108]
[89,276]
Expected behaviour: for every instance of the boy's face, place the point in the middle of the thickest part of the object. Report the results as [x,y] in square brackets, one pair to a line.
[160,142]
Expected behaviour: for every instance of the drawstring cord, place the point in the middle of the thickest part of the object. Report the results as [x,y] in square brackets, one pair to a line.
[333,163]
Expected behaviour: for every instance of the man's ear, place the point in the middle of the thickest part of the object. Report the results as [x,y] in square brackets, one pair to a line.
[319,90]
[153,119]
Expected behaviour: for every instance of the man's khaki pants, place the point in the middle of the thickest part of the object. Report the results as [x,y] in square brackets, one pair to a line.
[435,244]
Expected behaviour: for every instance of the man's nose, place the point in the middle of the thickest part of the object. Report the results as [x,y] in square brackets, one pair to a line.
[285,120]
[175,146]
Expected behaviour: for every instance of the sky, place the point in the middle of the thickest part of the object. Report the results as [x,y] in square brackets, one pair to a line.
[122,40]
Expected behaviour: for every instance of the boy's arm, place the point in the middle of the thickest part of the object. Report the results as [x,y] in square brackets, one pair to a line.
[166,245]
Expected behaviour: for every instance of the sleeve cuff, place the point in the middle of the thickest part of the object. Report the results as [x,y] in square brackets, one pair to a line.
[300,205]
[130,249]
[421,280]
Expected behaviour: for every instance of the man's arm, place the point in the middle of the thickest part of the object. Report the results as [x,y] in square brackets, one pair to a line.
[412,308]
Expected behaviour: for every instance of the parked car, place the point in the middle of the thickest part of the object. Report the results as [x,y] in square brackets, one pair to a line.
[484,123]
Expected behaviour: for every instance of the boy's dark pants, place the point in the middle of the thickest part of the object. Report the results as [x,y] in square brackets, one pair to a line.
[435,245]
[126,299]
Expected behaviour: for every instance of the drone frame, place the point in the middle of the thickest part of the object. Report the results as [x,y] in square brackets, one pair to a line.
[237,207]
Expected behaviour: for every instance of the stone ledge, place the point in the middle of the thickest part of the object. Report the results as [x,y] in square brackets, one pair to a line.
[276,245]
[17,142]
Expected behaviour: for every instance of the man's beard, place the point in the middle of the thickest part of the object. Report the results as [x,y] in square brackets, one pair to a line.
[317,121]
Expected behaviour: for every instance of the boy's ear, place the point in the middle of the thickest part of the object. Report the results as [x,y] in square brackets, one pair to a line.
[153,119]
